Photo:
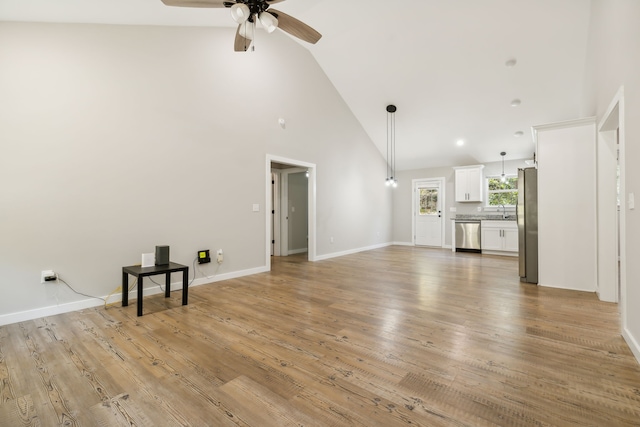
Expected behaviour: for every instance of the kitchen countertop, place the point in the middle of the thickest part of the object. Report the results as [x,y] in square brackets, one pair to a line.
[494,217]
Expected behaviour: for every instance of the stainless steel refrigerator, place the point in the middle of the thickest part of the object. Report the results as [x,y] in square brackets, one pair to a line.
[527,217]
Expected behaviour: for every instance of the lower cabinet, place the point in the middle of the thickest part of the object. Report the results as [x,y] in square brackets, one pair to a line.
[499,237]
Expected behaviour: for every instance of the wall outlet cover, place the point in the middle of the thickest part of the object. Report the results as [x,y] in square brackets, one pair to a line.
[48,276]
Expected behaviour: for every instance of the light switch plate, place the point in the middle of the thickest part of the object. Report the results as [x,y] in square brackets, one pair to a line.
[256,207]
[632,201]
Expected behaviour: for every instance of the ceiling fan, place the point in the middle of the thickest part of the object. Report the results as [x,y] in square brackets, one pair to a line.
[247,12]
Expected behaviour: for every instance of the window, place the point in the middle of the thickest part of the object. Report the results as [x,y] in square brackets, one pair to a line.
[502,193]
[428,201]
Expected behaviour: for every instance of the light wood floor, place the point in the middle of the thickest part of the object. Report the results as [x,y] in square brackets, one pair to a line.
[392,337]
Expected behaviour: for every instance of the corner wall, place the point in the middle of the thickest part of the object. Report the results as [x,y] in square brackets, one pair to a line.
[613,62]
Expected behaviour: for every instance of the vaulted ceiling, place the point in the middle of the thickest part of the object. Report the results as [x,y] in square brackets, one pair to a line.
[443,63]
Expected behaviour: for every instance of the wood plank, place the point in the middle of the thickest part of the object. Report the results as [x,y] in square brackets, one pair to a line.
[19,412]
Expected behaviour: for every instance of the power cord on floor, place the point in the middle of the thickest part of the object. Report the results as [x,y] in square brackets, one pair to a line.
[118,289]
[195,270]
[60,279]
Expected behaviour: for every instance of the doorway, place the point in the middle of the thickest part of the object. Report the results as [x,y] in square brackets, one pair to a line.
[290,219]
[428,222]
[611,204]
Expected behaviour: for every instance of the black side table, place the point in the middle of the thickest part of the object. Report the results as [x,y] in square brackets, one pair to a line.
[141,272]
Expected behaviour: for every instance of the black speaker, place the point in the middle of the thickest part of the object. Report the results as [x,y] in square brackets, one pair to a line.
[162,255]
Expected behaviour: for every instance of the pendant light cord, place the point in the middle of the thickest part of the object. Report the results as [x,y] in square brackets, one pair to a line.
[393,145]
[388,140]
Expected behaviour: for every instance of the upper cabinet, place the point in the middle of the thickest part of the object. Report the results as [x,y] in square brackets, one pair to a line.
[469,183]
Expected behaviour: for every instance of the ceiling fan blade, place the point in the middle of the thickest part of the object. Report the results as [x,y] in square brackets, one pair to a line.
[241,43]
[274,1]
[295,27]
[196,3]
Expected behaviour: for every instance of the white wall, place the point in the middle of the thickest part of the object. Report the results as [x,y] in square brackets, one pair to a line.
[402,197]
[567,205]
[614,61]
[115,139]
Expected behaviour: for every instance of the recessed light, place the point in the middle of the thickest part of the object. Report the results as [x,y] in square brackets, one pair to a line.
[460,142]
[516,102]
[518,134]
[511,63]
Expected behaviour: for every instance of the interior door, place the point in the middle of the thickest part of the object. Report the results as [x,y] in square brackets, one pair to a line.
[428,213]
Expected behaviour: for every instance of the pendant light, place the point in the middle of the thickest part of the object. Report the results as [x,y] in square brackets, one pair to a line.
[391,146]
[503,177]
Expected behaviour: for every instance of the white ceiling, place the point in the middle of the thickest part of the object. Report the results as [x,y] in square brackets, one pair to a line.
[441,62]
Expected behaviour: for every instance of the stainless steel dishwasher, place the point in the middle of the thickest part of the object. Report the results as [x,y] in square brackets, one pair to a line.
[467,236]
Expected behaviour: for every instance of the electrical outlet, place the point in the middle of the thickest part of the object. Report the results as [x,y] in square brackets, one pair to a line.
[48,276]
[220,256]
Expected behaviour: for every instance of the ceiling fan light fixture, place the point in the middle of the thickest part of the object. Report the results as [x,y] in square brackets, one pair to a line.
[247,30]
[268,21]
[240,12]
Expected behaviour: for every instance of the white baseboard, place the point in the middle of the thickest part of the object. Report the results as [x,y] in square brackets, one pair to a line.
[569,288]
[37,313]
[411,244]
[351,251]
[632,343]
[298,251]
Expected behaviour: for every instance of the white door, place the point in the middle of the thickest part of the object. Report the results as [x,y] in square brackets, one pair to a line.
[427,201]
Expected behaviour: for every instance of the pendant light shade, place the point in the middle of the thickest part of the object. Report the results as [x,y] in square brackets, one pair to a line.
[240,12]
[268,21]
[503,177]
[391,180]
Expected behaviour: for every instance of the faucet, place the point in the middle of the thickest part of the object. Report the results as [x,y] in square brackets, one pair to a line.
[504,212]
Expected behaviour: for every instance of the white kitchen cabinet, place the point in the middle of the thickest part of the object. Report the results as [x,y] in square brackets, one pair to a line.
[469,183]
[499,237]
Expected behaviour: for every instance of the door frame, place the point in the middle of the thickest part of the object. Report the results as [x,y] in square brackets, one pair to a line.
[284,208]
[613,119]
[274,231]
[414,186]
[311,217]
[608,239]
